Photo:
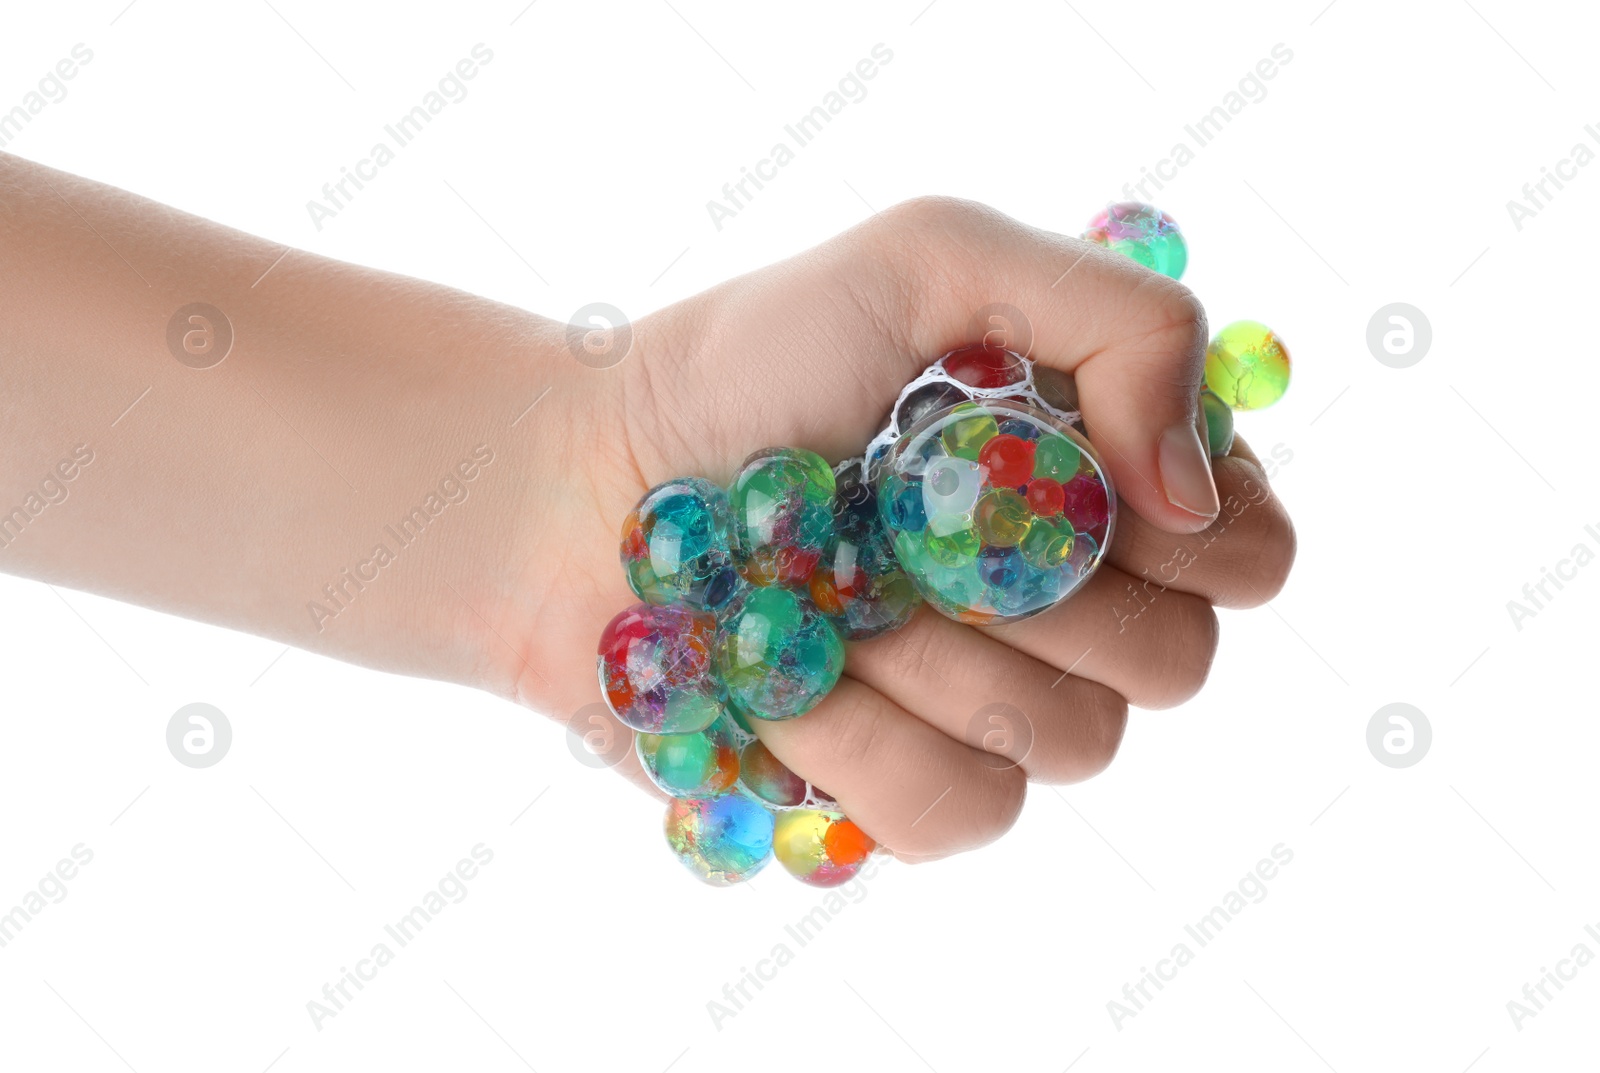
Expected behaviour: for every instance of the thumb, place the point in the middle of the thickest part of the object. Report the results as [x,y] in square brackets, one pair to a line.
[1134,340]
[1140,402]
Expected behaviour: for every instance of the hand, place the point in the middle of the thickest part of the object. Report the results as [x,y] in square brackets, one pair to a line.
[811,353]
[356,401]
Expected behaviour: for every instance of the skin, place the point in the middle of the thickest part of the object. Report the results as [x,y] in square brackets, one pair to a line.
[234,494]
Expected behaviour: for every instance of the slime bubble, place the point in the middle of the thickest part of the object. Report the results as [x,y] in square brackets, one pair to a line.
[1143,233]
[782,505]
[818,847]
[765,776]
[1247,365]
[1219,423]
[691,765]
[858,583]
[777,654]
[675,546]
[722,840]
[655,669]
[985,366]
[987,522]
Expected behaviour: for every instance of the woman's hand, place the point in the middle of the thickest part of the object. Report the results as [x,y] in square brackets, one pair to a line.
[404,476]
[811,353]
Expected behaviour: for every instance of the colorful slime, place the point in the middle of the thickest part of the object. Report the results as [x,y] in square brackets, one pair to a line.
[997,510]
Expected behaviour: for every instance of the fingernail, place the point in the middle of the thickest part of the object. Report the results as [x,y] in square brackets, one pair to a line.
[1186,472]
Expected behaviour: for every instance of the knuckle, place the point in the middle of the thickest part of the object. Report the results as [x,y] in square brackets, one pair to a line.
[971,816]
[937,213]
[1106,730]
[1192,634]
[1275,556]
[1091,732]
[856,742]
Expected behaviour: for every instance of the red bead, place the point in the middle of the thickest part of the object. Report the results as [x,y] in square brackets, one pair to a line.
[1009,460]
[634,544]
[621,633]
[984,366]
[796,565]
[1045,497]
[1085,505]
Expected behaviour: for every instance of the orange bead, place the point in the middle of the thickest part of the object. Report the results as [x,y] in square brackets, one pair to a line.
[727,772]
[824,595]
[846,843]
[762,568]
[634,544]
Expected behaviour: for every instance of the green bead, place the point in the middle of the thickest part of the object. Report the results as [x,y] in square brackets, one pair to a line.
[1047,543]
[1247,365]
[1055,457]
[683,761]
[820,485]
[781,611]
[965,435]
[690,710]
[1219,423]
[954,548]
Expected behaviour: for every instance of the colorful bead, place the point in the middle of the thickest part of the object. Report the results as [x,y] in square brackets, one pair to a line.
[1009,459]
[858,583]
[988,552]
[1045,497]
[721,840]
[968,427]
[1247,365]
[1047,543]
[675,546]
[822,848]
[1143,233]
[954,549]
[1219,423]
[928,399]
[1084,502]
[765,776]
[984,366]
[782,508]
[691,765]
[1083,557]
[903,504]
[1000,567]
[1002,517]
[777,655]
[950,488]
[1057,459]
[656,672]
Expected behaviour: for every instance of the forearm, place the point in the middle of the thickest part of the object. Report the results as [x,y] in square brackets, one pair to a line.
[286,490]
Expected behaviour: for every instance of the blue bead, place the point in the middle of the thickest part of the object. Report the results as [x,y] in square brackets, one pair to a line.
[1000,567]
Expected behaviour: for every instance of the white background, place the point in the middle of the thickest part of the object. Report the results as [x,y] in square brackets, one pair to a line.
[1377,169]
